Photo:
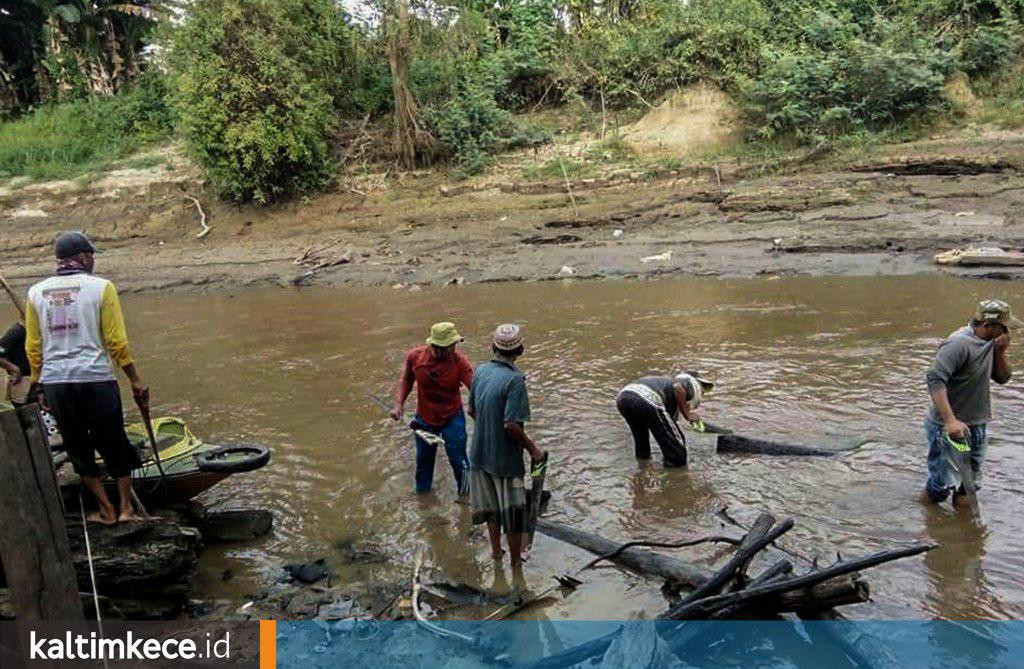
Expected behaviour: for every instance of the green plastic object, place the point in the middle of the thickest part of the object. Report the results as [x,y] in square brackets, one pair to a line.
[959,446]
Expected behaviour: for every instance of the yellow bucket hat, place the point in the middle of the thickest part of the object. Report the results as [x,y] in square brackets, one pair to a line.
[444,335]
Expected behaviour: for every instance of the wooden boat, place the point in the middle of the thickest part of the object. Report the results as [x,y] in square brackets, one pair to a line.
[187,466]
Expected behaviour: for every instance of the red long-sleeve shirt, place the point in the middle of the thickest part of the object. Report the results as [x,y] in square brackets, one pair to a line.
[437,383]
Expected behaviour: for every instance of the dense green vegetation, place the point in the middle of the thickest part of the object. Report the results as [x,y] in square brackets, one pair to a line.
[260,87]
[255,93]
[65,140]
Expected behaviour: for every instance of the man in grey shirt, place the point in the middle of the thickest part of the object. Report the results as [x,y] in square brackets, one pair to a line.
[500,407]
[958,382]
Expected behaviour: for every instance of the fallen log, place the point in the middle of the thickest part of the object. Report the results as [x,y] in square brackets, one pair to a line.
[683,575]
[723,513]
[734,443]
[709,605]
[781,568]
[759,536]
[639,560]
[660,544]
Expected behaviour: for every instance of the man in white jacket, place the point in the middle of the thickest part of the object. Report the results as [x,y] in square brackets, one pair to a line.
[74,335]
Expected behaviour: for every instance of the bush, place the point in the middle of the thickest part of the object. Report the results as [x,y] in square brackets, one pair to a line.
[468,124]
[66,140]
[256,93]
[841,82]
[990,47]
[144,110]
[665,46]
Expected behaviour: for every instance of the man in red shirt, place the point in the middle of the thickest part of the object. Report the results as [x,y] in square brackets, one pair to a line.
[438,371]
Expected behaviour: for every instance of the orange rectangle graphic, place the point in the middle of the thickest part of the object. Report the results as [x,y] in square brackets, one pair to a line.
[268,644]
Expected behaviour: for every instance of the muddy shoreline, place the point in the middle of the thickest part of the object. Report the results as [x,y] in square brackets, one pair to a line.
[885,214]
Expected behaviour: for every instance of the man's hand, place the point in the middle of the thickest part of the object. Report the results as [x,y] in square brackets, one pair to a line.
[957,429]
[397,412]
[141,394]
[11,382]
[41,400]
[1001,343]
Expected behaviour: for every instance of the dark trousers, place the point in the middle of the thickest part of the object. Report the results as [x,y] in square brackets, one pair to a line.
[645,419]
[91,420]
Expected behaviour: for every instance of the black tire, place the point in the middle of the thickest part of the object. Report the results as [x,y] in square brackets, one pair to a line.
[234,458]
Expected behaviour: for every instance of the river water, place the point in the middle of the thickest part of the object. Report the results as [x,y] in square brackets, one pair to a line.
[817,361]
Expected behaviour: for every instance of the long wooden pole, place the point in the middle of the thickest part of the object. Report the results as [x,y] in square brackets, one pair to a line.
[14,297]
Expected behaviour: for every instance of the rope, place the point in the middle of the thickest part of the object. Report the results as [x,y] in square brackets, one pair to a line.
[92,571]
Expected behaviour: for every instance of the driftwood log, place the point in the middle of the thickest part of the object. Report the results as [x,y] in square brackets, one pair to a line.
[639,560]
[845,590]
[728,593]
[709,605]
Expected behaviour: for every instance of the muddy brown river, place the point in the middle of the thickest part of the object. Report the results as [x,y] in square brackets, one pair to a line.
[817,361]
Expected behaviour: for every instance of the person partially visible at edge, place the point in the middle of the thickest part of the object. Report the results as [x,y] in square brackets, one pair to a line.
[74,333]
[14,361]
[652,404]
[959,382]
[499,404]
[438,371]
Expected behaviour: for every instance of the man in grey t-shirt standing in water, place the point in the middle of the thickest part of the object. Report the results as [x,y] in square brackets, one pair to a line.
[958,382]
[500,406]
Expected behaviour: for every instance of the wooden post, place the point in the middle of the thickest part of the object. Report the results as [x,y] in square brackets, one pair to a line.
[33,534]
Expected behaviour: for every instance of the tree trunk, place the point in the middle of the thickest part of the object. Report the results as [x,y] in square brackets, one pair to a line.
[113,48]
[639,560]
[406,130]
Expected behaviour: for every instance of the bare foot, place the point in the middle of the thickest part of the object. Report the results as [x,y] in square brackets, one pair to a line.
[128,517]
[99,517]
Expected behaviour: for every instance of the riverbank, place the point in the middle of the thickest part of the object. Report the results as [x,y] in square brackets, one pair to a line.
[884,211]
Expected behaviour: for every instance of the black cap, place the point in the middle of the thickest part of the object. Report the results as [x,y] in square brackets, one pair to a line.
[71,243]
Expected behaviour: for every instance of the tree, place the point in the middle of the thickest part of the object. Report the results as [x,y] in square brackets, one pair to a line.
[409,138]
[87,46]
[254,93]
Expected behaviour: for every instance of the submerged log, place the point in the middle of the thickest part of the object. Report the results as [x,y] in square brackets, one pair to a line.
[867,650]
[639,646]
[734,443]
